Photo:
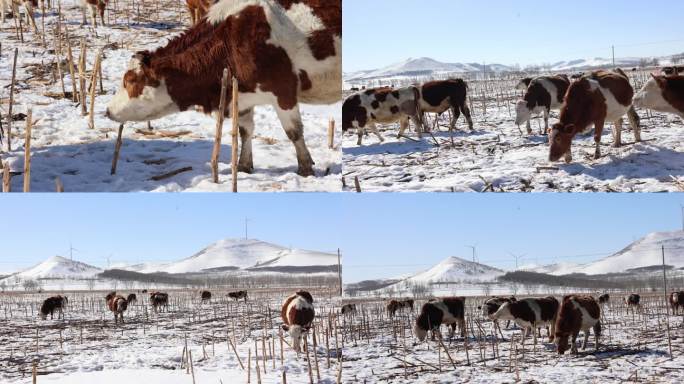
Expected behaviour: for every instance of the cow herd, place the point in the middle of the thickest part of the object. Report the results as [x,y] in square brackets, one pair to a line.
[584,100]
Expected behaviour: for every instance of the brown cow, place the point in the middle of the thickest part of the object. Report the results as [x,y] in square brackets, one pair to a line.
[96,7]
[663,94]
[117,304]
[159,301]
[281,52]
[237,295]
[297,313]
[530,314]
[676,300]
[594,99]
[434,313]
[396,305]
[577,313]
[440,96]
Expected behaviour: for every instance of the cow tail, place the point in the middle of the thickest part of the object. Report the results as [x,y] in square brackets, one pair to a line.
[419,111]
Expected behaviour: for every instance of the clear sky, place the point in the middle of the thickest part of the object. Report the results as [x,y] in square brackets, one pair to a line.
[380,235]
[382,32]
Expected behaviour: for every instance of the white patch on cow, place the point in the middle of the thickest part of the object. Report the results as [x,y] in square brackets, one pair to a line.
[302,15]
[226,8]
[153,103]
[587,320]
[651,96]
[552,90]
[614,110]
[522,113]
[675,297]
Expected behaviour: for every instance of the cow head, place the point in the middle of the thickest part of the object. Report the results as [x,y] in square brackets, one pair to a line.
[503,313]
[651,94]
[561,341]
[560,140]
[523,114]
[420,332]
[143,95]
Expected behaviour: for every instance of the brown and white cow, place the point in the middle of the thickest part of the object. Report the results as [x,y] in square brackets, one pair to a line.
[676,300]
[159,301]
[524,83]
[530,314]
[52,304]
[132,298]
[206,296]
[282,52]
[448,310]
[197,9]
[594,99]
[442,95]
[297,314]
[544,93]
[96,7]
[117,304]
[577,313]
[237,295]
[364,110]
[663,94]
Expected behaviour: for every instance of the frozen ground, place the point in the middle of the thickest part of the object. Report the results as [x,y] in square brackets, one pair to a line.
[149,347]
[64,146]
[497,157]
[633,348]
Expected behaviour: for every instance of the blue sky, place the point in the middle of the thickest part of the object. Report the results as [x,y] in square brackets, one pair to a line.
[382,32]
[381,235]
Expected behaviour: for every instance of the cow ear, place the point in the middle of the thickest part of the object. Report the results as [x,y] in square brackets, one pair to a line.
[143,57]
[569,128]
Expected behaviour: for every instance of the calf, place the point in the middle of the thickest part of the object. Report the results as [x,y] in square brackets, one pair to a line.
[159,301]
[577,313]
[676,300]
[96,7]
[237,295]
[132,298]
[440,96]
[281,52]
[594,99]
[52,304]
[381,106]
[530,314]
[543,94]
[663,94]
[206,296]
[348,309]
[117,304]
[434,313]
[197,9]
[603,299]
[297,313]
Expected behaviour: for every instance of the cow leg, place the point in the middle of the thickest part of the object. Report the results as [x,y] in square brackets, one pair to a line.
[529,128]
[359,132]
[597,335]
[466,112]
[573,348]
[403,124]
[552,331]
[598,130]
[617,133]
[452,330]
[634,121]
[455,114]
[586,339]
[462,325]
[546,121]
[246,124]
[291,121]
[374,128]
[93,12]
[534,334]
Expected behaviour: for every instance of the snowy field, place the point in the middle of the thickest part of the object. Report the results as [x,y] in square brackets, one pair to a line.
[63,146]
[88,347]
[633,347]
[498,157]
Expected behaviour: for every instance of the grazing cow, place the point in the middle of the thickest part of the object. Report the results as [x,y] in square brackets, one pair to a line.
[663,94]
[297,313]
[604,299]
[439,96]
[132,298]
[676,300]
[530,314]
[544,93]
[96,7]
[594,99]
[524,83]
[51,304]
[577,313]
[143,291]
[492,305]
[159,301]
[632,301]
[434,313]
[206,296]
[396,305]
[381,106]
[348,309]
[237,295]
[282,53]
[117,304]
[674,70]
[197,9]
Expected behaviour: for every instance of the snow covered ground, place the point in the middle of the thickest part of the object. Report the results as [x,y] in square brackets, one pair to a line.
[497,157]
[64,146]
[632,348]
[149,347]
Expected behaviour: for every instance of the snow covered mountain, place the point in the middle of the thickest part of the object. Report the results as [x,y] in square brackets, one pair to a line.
[423,66]
[58,267]
[454,269]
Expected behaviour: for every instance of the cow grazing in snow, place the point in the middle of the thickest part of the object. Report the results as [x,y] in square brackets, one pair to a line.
[448,310]
[159,301]
[364,110]
[544,93]
[530,314]
[132,298]
[632,301]
[440,96]
[96,7]
[397,305]
[197,9]
[577,313]
[117,304]
[594,99]
[663,94]
[282,53]
[52,304]
[348,309]
[676,300]
[604,299]
[297,313]
[237,295]
[206,296]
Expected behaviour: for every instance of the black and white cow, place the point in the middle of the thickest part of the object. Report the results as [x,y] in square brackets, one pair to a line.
[544,93]
[448,310]
[530,314]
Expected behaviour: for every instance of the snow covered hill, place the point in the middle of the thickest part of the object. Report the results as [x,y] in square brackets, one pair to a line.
[58,267]
[423,66]
[454,269]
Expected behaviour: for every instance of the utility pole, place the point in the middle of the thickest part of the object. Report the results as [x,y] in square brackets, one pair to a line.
[339,270]
[682,207]
[667,320]
[473,248]
[612,47]
[246,221]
